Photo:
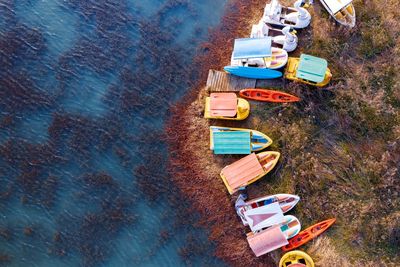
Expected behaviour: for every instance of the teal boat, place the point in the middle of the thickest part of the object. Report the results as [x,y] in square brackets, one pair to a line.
[227,140]
[253,73]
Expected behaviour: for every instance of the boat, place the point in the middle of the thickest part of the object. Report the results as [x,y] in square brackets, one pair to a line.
[280,16]
[309,70]
[296,258]
[263,217]
[290,226]
[258,53]
[227,140]
[226,106]
[342,11]
[253,73]
[274,237]
[308,234]
[249,169]
[268,95]
[285,38]
[285,201]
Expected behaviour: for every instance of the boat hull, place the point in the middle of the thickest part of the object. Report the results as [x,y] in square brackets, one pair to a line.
[253,72]
[308,234]
[268,96]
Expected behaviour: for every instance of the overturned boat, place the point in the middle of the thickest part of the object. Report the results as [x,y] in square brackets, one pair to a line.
[248,170]
[227,140]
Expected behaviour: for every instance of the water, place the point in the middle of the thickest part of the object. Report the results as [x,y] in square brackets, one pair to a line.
[85,88]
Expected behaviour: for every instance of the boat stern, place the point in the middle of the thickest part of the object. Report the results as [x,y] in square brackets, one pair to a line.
[243,109]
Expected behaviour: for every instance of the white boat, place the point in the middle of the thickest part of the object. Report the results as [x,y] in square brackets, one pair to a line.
[258,53]
[285,38]
[342,11]
[277,15]
[286,203]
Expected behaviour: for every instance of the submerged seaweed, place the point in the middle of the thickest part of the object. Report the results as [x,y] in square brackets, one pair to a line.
[99,108]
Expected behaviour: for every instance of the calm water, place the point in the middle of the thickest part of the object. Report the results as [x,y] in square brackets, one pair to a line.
[84,92]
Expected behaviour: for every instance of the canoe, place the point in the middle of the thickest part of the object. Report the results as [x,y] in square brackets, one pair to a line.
[296,258]
[253,72]
[248,169]
[308,234]
[285,201]
[268,95]
[258,140]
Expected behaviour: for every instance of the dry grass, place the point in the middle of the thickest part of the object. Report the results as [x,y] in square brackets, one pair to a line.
[340,146]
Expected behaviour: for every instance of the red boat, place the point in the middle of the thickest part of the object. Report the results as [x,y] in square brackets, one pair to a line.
[268,95]
[308,234]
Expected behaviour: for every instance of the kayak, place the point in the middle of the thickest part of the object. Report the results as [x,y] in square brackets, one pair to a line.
[253,72]
[308,234]
[296,258]
[268,95]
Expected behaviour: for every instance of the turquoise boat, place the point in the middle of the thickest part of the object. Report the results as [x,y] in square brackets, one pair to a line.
[227,140]
[252,72]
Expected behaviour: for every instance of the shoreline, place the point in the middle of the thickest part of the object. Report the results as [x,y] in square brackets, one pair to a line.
[320,139]
[187,116]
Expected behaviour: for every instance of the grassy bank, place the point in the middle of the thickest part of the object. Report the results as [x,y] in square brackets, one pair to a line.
[340,145]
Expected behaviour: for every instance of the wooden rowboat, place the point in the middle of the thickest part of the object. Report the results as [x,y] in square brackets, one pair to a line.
[268,95]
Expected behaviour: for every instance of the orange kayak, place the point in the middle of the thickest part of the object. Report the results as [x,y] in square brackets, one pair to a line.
[308,234]
[268,95]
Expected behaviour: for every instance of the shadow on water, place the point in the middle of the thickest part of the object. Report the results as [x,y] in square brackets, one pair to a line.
[85,89]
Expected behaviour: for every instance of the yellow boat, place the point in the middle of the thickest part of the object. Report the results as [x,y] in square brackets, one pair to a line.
[226,106]
[309,70]
[248,170]
[296,258]
[227,140]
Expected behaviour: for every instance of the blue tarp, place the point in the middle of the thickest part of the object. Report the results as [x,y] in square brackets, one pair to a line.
[232,142]
[252,48]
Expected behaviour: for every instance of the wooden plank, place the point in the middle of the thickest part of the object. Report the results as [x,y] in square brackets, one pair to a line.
[219,81]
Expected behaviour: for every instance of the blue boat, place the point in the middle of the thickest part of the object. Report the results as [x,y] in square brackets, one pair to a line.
[253,72]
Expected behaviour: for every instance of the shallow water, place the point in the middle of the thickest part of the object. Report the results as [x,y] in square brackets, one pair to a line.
[85,88]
